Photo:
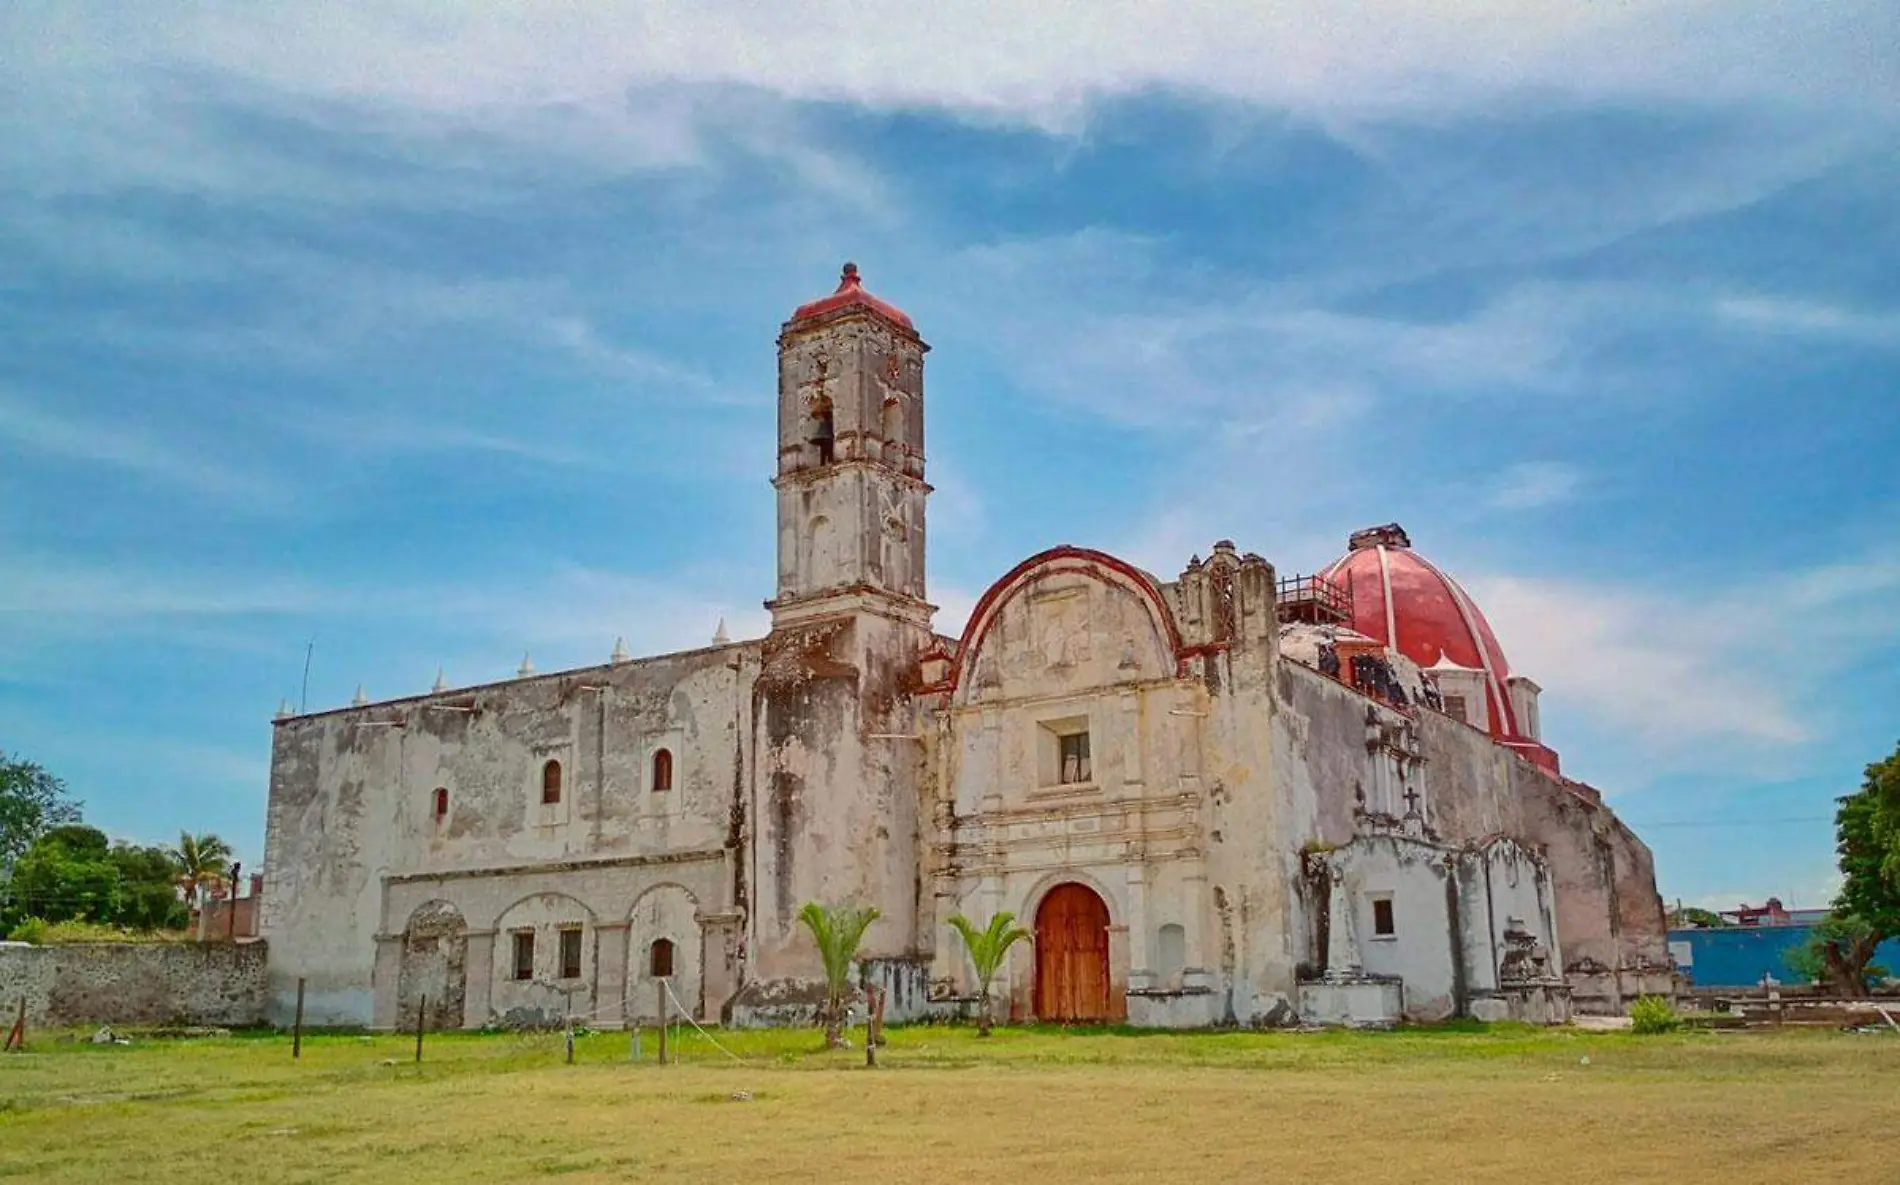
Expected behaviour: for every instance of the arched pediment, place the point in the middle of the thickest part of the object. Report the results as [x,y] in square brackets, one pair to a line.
[1064,621]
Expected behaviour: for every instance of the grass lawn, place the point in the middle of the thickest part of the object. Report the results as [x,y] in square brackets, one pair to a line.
[1035,1106]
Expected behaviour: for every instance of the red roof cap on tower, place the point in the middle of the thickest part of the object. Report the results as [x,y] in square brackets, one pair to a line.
[1405,601]
[851,294]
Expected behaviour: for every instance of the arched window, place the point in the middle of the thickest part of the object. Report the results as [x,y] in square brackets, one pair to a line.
[660,959]
[441,802]
[893,420]
[662,770]
[822,434]
[551,783]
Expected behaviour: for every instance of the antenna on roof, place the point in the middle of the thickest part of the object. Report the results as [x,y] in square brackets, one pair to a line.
[303,697]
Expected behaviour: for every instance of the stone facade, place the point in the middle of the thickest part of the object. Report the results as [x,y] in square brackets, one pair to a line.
[1155,776]
[127,983]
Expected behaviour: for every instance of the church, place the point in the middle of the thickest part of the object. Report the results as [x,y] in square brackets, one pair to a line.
[1226,798]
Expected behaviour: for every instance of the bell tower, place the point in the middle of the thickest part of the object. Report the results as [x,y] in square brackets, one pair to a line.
[837,778]
[850,475]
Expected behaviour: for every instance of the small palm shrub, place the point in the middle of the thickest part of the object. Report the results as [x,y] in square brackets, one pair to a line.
[1654,1014]
[837,931]
[988,947]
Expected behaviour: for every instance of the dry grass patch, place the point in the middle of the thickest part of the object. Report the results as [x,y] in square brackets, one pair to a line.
[1037,1106]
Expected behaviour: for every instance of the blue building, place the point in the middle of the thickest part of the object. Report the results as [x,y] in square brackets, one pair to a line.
[1738,956]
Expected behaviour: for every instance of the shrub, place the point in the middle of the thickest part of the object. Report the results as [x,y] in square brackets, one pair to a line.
[31,930]
[1653,1014]
[41,932]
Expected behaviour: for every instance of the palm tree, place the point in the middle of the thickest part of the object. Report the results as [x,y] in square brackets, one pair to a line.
[199,862]
[837,930]
[987,950]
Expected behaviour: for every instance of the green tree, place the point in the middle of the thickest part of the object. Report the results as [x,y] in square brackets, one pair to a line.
[199,863]
[988,947]
[32,802]
[1838,955]
[1707,919]
[1867,840]
[1867,909]
[68,873]
[149,886]
[837,930]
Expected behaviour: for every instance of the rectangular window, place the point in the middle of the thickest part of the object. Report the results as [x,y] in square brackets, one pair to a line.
[1073,751]
[570,954]
[1455,708]
[1382,923]
[524,954]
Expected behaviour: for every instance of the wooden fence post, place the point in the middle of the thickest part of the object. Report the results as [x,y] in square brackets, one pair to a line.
[422,1011]
[662,1022]
[296,1027]
[16,1037]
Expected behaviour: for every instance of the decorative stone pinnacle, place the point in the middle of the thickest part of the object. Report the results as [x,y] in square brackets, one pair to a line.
[441,681]
[620,654]
[359,699]
[526,668]
[720,636]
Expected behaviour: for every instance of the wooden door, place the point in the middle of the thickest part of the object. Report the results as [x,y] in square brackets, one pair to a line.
[1072,956]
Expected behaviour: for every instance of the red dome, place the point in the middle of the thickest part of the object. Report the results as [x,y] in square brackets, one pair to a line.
[1402,599]
[851,295]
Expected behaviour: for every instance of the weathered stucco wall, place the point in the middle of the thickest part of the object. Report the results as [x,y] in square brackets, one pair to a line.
[208,983]
[1608,917]
[355,846]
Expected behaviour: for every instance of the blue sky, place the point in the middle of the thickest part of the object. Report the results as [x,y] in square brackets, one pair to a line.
[436,336]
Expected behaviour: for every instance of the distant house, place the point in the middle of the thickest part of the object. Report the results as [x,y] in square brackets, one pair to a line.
[1773,914]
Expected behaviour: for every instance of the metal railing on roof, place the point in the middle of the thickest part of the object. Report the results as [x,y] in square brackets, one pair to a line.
[1315,600]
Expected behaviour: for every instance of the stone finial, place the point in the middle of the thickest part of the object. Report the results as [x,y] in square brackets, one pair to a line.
[441,682]
[283,710]
[526,668]
[720,636]
[359,699]
[620,654]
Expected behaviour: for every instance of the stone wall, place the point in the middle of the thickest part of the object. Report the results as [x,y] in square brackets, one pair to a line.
[157,983]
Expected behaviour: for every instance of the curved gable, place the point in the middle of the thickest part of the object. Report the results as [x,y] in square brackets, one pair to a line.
[1066,619]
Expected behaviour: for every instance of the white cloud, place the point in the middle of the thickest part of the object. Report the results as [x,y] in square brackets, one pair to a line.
[1678,670]
[183,464]
[1807,318]
[1008,60]
[1531,485]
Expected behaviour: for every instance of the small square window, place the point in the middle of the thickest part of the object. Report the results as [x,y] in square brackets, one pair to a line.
[1455,708]
[524,954]
[571,953]
[1073,754]
[1383,925]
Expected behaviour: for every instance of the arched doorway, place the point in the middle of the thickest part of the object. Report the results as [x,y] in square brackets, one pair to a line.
[1072,956]
[434,967]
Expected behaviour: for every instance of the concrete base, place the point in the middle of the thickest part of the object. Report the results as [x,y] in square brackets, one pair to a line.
[795,1003]
[1536,1003]
[1191,1008]
[1356,1003]
[1598,991]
